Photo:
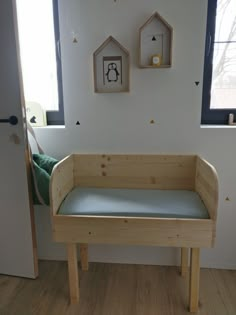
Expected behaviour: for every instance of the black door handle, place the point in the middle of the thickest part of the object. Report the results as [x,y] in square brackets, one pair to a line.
[13,120]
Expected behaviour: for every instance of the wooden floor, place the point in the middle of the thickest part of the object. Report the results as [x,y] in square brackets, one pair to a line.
[117,290]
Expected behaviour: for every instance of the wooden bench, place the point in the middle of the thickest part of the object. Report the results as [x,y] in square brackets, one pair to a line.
[176,201]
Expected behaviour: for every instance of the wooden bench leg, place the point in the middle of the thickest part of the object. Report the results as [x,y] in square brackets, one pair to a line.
[73,273]
[184,261]
[84,256]
[83,248]
[194,280]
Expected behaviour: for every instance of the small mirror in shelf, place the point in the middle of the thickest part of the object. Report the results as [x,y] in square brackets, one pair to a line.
[155,43]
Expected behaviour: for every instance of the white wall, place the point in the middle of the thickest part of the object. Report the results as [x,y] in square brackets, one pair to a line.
[115,123]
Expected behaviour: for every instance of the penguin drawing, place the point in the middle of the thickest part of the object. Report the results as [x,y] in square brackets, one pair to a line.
[112,72]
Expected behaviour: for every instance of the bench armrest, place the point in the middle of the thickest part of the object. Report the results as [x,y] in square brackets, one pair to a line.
[206,185]
[61,183]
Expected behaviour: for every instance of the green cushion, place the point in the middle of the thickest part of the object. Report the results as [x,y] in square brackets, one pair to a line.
[43,166]
[45,162]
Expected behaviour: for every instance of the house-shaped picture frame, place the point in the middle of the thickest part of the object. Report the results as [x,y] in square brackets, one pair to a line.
[111,62]
[155,43]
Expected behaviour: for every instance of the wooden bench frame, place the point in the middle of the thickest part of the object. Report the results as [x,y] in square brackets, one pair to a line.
[187,172]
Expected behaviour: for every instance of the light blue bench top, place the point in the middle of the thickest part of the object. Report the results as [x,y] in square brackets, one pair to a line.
[134,203]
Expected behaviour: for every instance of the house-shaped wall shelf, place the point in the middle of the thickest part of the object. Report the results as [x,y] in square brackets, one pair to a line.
[111,67]
[155,43]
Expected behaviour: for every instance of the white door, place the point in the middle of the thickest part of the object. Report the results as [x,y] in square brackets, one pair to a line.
[17,237]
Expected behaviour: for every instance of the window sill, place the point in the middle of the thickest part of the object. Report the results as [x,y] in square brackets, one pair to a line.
[50,127]
[218,126]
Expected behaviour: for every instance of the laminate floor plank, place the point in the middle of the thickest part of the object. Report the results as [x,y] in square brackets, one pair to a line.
[113,289]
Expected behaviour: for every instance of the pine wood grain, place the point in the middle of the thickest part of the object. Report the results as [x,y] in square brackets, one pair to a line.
[73,273]
[207,186]
[61,183]
[83,249]
[194,280]
[133,231]
[135,171]
[184,261]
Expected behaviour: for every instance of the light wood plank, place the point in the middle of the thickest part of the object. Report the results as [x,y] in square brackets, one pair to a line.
[84,256]
[133,231]
[136,171]
[194,280]
[138,182]
[62,182]
[206,185]
[184,261]
[73,273]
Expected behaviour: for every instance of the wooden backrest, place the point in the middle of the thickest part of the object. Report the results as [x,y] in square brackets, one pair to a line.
[135,171]
[62,182]
[206,186]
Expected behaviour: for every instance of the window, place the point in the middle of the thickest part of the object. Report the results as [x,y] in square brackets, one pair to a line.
[219,85]
[38,25]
